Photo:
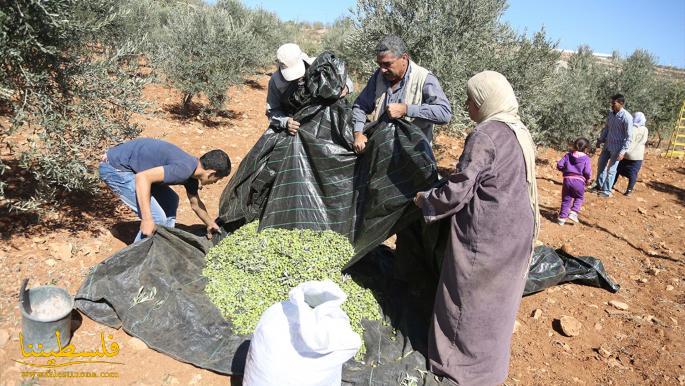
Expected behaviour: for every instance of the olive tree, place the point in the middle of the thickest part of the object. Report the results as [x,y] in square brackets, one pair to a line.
[68,98]
[577,105]
[205,49]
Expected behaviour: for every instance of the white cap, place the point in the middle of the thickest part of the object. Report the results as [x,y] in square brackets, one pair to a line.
[291,61]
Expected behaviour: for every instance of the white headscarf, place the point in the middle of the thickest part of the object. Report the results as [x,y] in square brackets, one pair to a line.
[494,97]
[639,119]
[496,101]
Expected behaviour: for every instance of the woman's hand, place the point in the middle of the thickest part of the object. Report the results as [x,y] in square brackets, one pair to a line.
[418,199]
[293,126]
[359,142]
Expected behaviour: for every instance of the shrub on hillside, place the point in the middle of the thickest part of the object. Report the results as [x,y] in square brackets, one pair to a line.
[638,80]
[264,26]
[206,49]
[306,35]
[577,105]
[69,99]
[668,101]
[339,38]
[129,24]
[531,65]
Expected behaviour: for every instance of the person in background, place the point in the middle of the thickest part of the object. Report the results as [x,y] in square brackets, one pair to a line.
[631,163]
[401,89]
[140,172]
[616,139]
[577,170]
[292,65]
[491,203]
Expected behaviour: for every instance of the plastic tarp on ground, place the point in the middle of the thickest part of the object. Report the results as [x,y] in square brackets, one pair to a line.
[155,290]
[550,267]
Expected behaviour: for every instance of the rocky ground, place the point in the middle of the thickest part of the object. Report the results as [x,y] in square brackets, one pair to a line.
[566,335]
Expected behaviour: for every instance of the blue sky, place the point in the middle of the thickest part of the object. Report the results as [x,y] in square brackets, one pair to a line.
[657,26]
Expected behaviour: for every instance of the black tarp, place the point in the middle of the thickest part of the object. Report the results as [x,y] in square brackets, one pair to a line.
[550,267]
[155,290]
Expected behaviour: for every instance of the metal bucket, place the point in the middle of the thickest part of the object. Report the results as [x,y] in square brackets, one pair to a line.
[45,311]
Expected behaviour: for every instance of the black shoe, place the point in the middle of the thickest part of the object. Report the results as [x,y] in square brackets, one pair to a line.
[628,192]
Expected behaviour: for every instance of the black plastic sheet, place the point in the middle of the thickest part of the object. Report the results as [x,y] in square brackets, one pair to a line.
[154,290]
[550,267]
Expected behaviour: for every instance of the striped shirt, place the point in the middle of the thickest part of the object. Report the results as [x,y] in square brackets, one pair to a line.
[617,132]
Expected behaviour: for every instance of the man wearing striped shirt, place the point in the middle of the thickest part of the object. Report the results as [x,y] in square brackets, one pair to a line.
[399,89]
[616,139]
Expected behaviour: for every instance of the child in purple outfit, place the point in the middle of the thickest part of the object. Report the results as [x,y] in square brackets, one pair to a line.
[577,171]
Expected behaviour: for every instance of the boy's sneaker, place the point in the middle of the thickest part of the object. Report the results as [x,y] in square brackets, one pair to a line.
[573,216]
[628,192]
[604,194]
[561,221]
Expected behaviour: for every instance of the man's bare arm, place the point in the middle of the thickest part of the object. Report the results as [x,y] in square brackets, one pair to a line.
[144,181]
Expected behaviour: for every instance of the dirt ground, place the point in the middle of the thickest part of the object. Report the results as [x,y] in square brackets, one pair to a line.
[639,239]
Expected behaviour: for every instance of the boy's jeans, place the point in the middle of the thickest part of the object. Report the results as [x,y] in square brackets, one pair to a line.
[606,167]
[163,200]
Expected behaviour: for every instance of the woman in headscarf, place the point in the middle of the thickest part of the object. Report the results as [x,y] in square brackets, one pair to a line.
[631,163]
[491,200]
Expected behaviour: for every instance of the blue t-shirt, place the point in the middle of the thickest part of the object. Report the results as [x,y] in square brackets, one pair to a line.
[146,153]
